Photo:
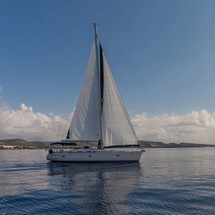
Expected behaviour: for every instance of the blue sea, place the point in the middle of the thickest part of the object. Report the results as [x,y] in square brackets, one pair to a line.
[167,181]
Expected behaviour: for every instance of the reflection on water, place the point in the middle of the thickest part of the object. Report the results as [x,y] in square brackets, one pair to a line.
[103,186]
[167,181]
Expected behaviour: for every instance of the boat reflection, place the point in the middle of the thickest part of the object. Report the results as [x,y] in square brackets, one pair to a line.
[97,188]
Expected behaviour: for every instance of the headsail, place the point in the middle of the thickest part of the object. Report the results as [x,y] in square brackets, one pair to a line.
[116,125]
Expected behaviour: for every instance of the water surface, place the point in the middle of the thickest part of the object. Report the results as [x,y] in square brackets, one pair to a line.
[167,181]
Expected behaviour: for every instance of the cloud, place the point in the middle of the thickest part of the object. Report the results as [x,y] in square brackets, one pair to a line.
[27,124]
[197,126]
[0,89]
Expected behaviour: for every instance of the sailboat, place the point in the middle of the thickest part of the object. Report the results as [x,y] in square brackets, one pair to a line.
[100,117]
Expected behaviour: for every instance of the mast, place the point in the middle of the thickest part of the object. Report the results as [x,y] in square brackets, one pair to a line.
[99,63]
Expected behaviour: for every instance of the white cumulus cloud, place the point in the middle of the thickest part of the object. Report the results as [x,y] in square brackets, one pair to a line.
[197,126]
[27,124]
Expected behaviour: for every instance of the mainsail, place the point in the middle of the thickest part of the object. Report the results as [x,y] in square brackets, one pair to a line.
[85,125]
[100,113]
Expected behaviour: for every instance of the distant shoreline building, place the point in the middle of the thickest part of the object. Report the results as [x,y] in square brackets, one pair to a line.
[8,146]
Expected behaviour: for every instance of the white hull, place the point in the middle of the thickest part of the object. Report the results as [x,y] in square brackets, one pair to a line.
[95,155]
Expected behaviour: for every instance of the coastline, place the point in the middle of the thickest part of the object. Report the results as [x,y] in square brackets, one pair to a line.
[24,144]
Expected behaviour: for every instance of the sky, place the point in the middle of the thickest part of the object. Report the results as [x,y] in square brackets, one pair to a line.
[162,54]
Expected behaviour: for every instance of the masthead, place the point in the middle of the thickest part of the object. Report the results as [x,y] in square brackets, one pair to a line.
[95,29]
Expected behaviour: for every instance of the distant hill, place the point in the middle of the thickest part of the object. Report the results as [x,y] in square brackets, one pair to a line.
[20,144]
[152,144]
[24,144]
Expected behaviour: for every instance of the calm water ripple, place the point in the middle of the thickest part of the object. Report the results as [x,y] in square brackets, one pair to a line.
[167,181]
